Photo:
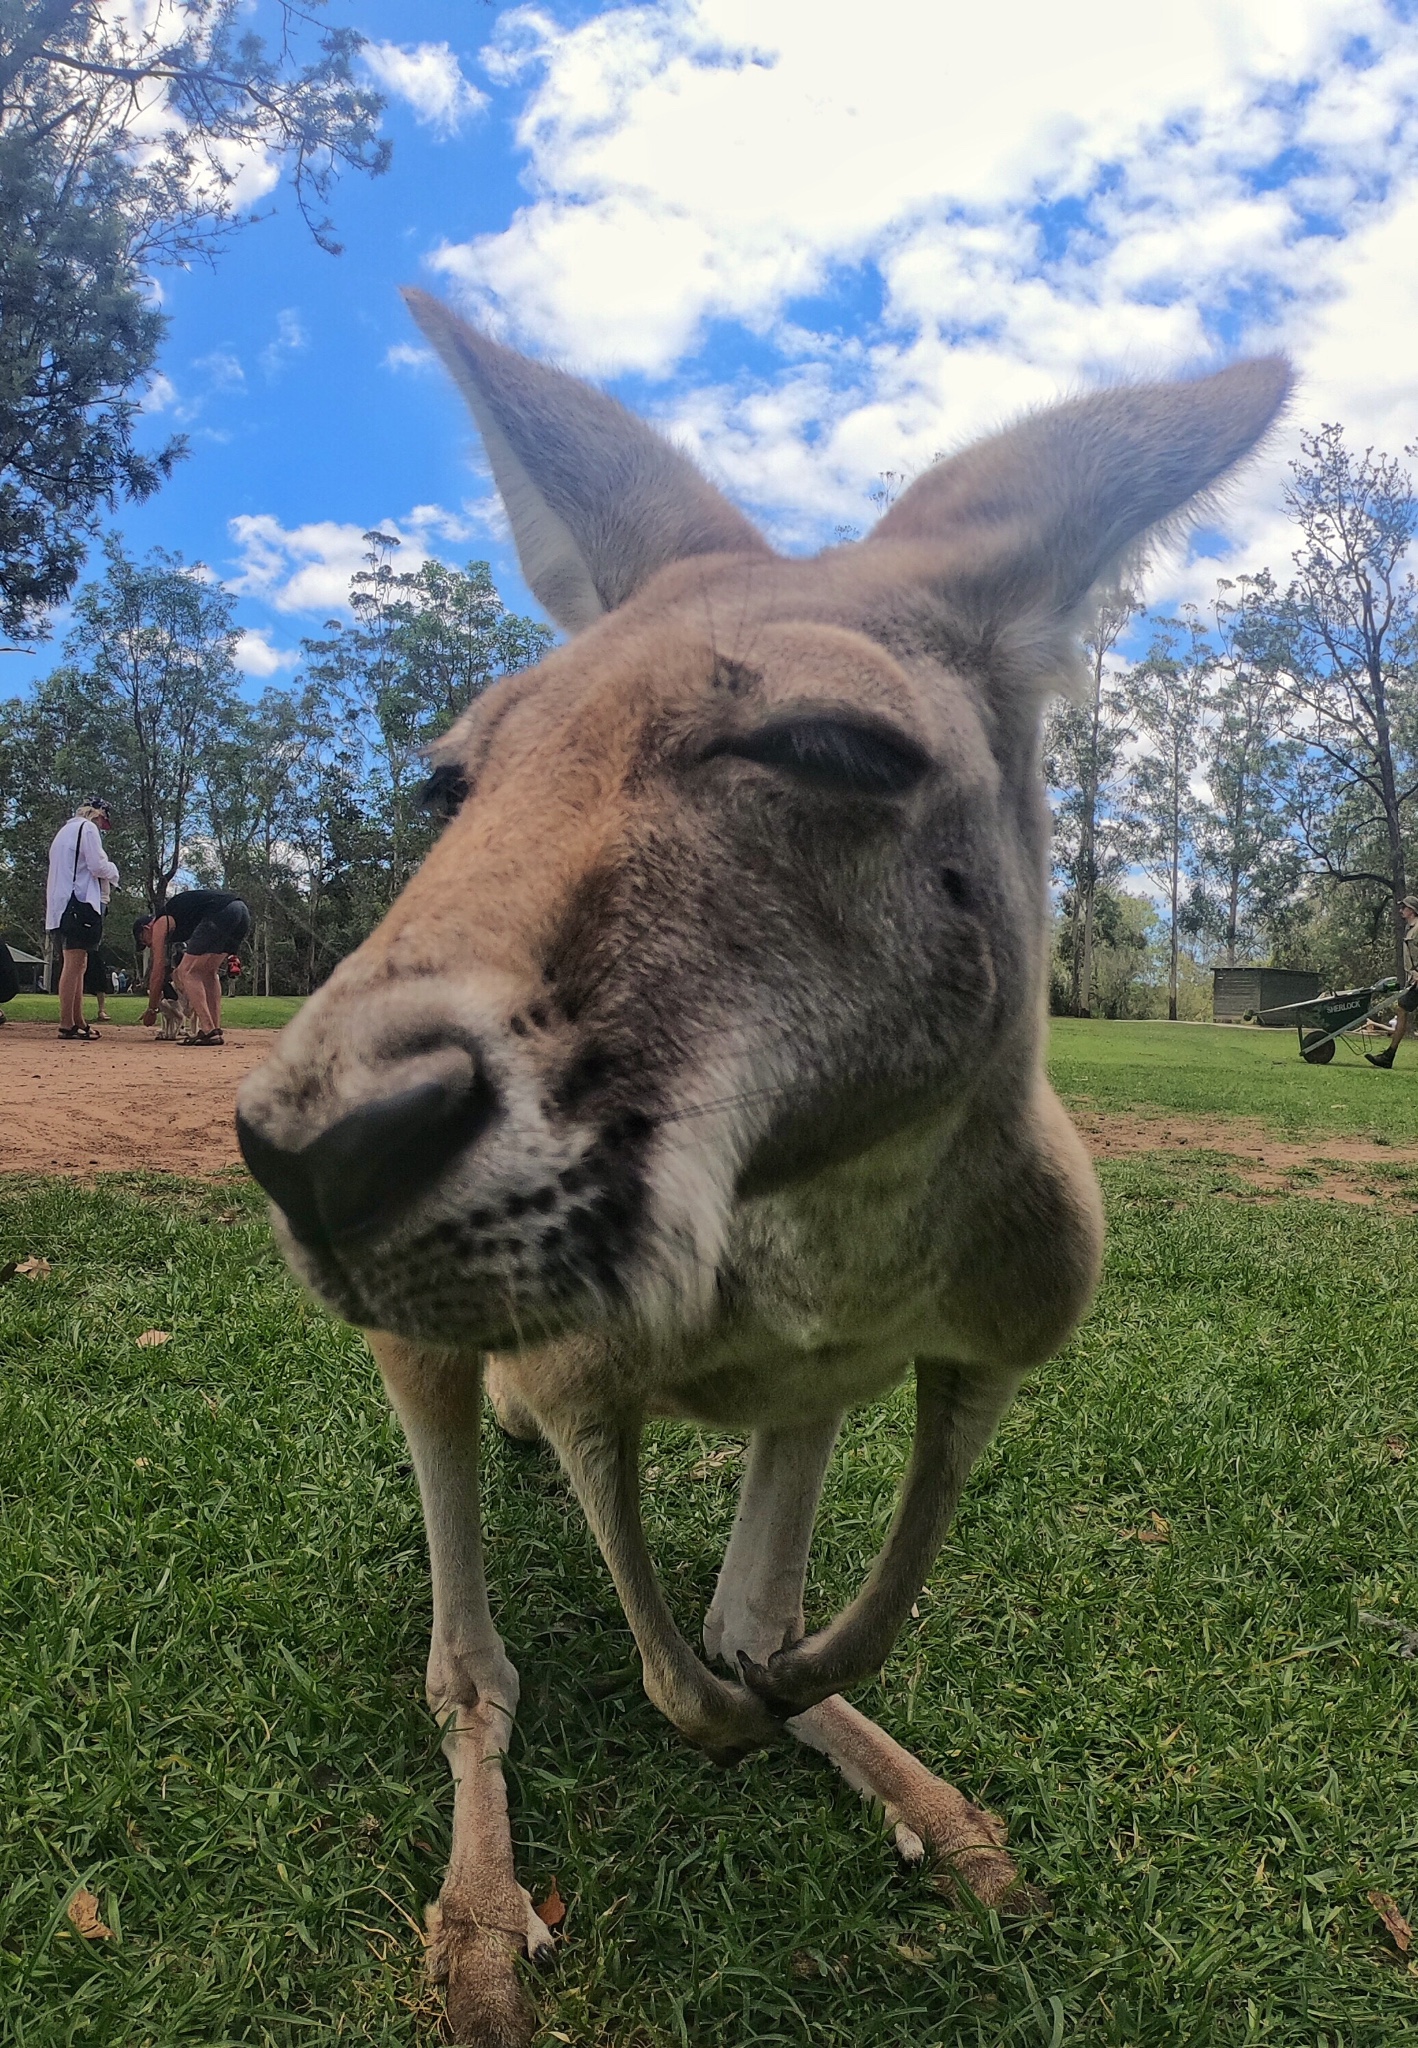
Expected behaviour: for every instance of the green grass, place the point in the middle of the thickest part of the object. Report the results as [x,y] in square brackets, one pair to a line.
[214,1613]
[247,1013]
[1210,1070]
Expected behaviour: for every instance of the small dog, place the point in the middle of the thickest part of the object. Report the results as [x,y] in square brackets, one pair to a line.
[177,1020]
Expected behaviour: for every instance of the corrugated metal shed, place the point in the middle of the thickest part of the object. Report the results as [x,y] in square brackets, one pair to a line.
[1237,992]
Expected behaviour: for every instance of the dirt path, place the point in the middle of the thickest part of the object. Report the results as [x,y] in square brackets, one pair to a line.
[134,1101]
[1332,1166]
[131,1100]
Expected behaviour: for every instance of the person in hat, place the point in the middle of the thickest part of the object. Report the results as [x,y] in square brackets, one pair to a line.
[78,868]
[1408,996]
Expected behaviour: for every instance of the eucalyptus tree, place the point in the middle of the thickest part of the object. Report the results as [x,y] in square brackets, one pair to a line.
[1248,860]
[420,646]
[122,134]
[1343,644]
[1084,743]
[151,654]
[1166,698]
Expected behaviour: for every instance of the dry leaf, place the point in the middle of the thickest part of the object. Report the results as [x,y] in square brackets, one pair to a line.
[1397,1448]
[911,1952]
[1159,1531]
[140,1464]
[151,1337]
[805,1965]
[715,1459]
[33,1269]
[1393,1920]
[552,1910]
[84,1916]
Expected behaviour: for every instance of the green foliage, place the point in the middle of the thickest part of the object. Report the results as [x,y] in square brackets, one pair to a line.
[305,803]
[130,715]
[214,1611]
[121,134]
[422,645]
[1084,757]
[77,336]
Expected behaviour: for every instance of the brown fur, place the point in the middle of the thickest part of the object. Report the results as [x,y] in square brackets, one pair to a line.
[764,1120]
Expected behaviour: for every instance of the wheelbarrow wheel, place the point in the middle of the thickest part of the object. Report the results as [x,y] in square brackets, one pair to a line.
[1317,1047]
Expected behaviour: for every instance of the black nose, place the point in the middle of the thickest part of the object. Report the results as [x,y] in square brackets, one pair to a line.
[374,1159]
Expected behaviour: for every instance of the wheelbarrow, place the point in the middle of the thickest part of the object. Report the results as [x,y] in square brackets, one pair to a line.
[1324,1020]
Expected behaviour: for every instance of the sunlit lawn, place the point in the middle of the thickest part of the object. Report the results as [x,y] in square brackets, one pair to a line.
[1208,1070]
[241,1012]
[214,1613]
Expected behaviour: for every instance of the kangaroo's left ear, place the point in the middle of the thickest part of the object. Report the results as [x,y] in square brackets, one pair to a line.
[597,500]
[1030,520]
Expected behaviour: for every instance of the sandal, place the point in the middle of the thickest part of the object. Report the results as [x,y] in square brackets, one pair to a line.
[79,1031]
[206,1038]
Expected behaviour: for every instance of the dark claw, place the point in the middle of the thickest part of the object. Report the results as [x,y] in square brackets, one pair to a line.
[758,1679]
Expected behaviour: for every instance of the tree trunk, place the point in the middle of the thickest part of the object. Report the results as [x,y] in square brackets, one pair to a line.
[1082,990]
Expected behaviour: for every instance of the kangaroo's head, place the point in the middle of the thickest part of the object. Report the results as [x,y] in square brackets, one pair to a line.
[742,881]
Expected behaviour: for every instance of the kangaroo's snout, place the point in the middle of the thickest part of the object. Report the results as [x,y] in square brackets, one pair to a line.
[359,1169]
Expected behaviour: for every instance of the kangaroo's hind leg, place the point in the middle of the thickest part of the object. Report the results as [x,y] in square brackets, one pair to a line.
[484,1920]
[758,1609]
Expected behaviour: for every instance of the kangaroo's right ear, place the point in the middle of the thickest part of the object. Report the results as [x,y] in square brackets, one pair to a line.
[598,501]
[1052,506]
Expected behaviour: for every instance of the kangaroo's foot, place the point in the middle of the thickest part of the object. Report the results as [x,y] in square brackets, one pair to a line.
[478,1965]
[931,1821]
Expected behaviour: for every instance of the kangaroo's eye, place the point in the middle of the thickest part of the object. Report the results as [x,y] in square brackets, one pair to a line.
[834,754]
[444,791]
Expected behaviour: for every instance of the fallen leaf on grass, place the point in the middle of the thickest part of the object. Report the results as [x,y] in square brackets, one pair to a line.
[1407,1637]
[1397,1448]
[552,1910]
[1159,1530]
[33,1269]
[151,1337]
[84,1917]
[1398,1927]
[911,1952]
[715,1459]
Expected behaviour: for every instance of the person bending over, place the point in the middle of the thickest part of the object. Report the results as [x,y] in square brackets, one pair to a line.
[1408,997]
[208,925]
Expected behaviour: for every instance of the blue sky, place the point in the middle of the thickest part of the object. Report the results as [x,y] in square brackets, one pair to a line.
[817,241]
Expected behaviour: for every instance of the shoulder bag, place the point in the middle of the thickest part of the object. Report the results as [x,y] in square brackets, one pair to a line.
[80,925]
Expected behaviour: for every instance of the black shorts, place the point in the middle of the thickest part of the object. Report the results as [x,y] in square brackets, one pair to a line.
[222,932]
[1408,998]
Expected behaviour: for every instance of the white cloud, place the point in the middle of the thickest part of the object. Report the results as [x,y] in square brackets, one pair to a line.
[428,77]
[222,370]
[308,568]
[290,339]
[981,207]
[160,394]
[255,656]
[407,355]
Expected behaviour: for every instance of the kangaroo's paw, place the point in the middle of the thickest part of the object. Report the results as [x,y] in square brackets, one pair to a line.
[931,1820]
[479,1968]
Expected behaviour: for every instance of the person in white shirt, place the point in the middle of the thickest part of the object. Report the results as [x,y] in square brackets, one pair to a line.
[78,866]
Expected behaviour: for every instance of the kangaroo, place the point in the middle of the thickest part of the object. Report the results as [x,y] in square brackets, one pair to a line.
[697,1072]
